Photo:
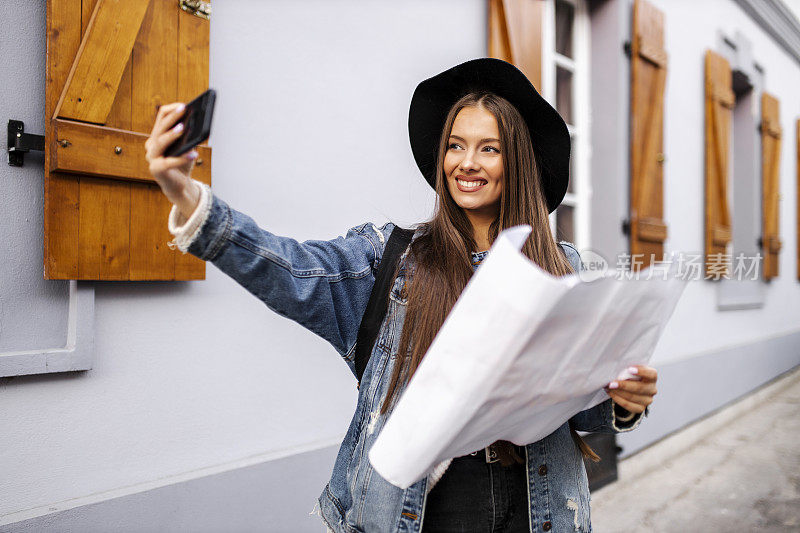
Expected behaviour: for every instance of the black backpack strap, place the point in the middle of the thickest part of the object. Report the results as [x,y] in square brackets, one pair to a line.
[379,298]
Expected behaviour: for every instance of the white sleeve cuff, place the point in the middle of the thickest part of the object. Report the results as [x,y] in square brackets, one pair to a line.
[625,423]
[626,418]
[185,231]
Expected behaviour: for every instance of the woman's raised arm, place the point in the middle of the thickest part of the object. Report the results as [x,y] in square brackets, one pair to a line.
[323,285]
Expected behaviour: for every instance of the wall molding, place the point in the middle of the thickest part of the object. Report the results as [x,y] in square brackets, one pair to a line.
[280,488]
[272,492]
[673,445]
[691,388]
[777,21]
[77,354]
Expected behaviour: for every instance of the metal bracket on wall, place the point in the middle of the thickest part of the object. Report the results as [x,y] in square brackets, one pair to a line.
[20,142]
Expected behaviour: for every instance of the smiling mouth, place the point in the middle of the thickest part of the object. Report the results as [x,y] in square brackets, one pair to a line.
[470,185]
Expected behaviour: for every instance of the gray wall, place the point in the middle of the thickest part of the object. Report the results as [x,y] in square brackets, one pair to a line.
[268,496]
[33,313]
[310,138]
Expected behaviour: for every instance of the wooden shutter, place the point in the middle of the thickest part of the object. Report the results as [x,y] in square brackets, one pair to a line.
[770,183]
[515,35]
[647,229]
[720,100]
[110,64]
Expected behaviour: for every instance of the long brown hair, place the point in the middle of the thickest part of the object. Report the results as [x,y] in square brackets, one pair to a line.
[441,253]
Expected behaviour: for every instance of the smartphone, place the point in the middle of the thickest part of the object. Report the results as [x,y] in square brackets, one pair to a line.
[196,121]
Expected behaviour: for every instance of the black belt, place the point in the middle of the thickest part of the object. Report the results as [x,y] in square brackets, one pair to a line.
[490,453]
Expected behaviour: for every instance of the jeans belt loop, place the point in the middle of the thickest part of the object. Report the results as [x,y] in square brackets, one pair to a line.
[491,454]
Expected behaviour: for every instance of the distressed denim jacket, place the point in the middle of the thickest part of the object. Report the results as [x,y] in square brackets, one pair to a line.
[325,286]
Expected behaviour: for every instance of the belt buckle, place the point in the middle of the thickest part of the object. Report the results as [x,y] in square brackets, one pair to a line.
[491,454]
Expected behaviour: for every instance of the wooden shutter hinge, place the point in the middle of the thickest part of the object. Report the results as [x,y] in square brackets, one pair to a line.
[772,245]
[197,8]
[771,128]
[19,143]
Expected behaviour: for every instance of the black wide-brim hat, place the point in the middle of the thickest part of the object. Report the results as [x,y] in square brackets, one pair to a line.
[434,97]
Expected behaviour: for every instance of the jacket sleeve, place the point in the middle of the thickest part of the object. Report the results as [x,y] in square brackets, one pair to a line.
[605,417]
[322,285]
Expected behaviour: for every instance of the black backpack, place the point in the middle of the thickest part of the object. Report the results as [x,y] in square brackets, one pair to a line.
[398,241]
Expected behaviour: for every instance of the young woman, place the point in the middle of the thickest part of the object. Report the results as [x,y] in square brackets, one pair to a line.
[497,155]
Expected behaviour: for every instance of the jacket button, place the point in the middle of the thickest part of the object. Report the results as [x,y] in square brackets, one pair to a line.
[542,470]
[547,525]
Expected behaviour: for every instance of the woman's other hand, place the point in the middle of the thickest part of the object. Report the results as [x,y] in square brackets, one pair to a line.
[173,174]
[634,394]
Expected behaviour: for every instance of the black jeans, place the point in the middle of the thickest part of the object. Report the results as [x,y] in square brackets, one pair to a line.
[476,496]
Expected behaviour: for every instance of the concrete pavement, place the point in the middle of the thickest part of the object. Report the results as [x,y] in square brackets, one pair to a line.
[735,470]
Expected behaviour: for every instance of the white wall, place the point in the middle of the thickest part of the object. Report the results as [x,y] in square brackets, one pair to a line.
[310,138]
[697,326]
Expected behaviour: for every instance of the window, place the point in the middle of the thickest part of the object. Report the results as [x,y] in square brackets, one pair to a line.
[565,37]
[744,193]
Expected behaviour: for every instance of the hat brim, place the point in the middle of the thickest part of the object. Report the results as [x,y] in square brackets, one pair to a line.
[434,97]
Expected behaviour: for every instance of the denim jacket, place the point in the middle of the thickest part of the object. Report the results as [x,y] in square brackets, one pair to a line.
[325,286]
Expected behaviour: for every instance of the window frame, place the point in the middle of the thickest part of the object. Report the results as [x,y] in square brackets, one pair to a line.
[733,294]
[580,131]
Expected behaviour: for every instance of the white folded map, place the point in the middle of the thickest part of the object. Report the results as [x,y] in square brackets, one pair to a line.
[520,353]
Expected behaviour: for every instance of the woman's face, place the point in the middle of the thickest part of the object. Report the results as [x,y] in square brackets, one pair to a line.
[473,163]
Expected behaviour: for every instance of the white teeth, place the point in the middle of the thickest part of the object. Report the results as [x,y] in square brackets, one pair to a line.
[469,183]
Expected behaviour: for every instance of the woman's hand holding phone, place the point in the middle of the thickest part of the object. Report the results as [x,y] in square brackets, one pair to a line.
[173,174]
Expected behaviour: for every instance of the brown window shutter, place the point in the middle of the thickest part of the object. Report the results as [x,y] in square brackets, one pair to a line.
[515,35]
[648,76]
[110,64]
[720,101]
[770,183]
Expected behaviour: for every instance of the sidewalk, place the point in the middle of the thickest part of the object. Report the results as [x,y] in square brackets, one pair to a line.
[737,470]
